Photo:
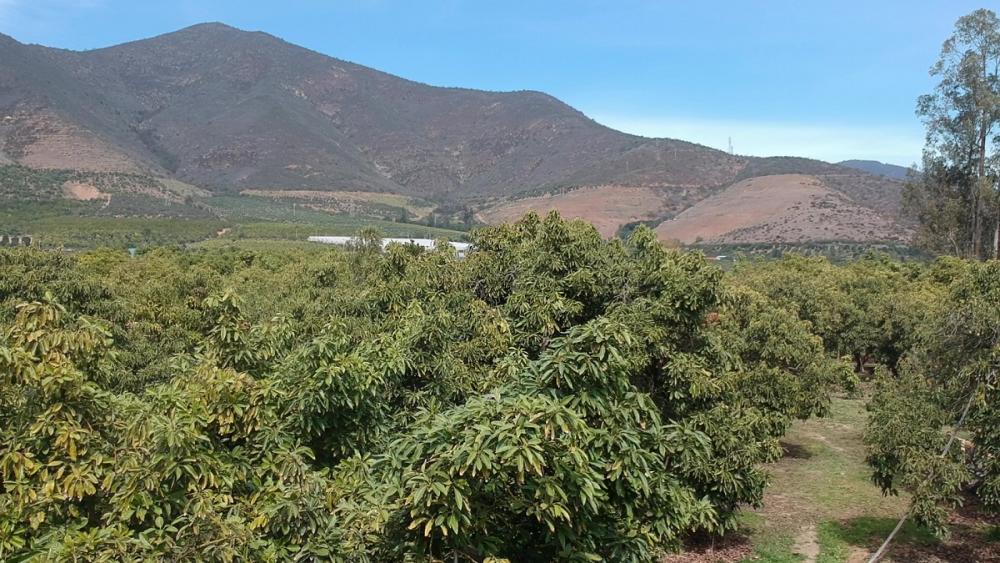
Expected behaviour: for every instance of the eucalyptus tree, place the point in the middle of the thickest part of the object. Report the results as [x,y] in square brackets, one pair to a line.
[956,197]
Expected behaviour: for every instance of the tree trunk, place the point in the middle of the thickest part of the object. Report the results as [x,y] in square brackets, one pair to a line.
[996,240]
[976,229]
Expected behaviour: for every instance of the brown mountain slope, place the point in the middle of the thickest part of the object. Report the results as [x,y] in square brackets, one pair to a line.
[231,111]
[609,207]
[791,208]
[859,206]
[225,108]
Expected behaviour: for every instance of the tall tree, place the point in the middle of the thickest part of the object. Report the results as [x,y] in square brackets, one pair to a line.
[957,198]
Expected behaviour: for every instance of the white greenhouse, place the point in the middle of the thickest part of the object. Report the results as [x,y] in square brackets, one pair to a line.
[461,247]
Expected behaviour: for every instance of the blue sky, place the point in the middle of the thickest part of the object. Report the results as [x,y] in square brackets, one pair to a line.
[823,79]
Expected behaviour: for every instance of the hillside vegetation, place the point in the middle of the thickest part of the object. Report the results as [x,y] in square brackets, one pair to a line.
[236,112]
[72,209]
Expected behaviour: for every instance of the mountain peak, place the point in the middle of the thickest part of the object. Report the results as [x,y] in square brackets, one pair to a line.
[198,38]
[202,32]
[211,27]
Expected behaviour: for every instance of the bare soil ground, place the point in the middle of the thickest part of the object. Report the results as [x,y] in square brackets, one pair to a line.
[44,140]
[82,192]
[744,204]
[607,207]
[779,208]
[733,547]
[807,544]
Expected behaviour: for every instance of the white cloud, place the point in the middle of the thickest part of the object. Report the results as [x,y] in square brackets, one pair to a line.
[830,142]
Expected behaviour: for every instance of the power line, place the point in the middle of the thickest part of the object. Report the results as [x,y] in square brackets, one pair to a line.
[947,447]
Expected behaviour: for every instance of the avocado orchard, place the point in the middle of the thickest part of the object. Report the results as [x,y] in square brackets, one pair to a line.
[930,335]
[554,396]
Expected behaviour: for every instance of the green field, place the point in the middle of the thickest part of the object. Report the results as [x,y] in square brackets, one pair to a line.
[72,232]
[260,245]
[255,217]
[138,221]
[141,211]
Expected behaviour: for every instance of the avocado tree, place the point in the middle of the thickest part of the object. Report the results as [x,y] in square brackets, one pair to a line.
[948,383]
[553,396]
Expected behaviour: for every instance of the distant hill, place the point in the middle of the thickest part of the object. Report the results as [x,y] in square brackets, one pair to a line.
[228,109]
[220,111]
[878,168]
[785,208]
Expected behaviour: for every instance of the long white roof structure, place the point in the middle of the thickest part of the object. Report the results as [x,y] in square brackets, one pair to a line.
[461,247]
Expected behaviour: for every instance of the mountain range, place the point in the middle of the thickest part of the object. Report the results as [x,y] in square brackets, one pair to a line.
[893,171]
[225,112]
